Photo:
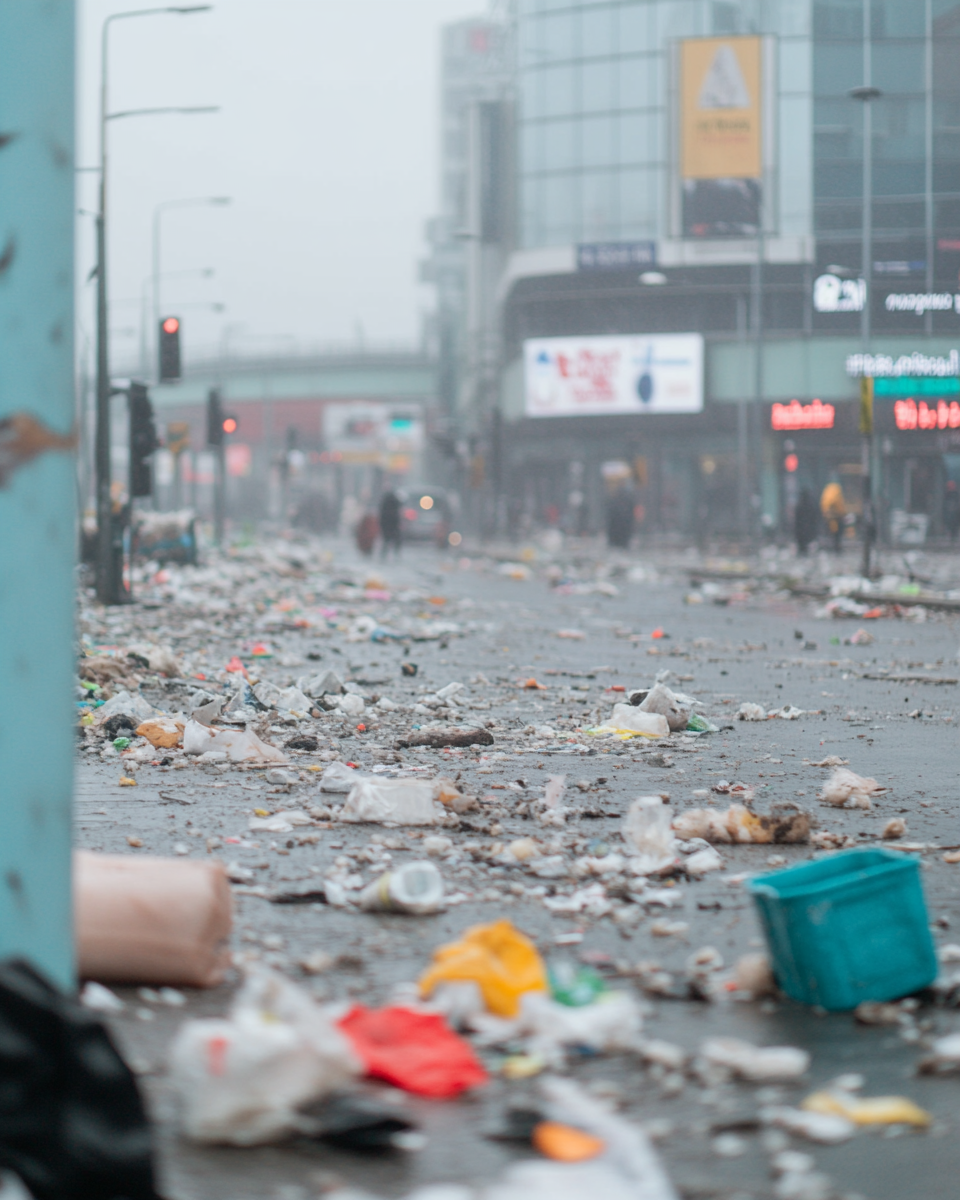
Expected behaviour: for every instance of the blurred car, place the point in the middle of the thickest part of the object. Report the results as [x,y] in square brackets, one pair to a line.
[425,516]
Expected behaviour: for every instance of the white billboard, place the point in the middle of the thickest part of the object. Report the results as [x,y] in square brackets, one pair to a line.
[583,376]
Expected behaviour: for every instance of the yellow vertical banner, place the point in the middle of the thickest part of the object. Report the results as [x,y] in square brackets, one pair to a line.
[866,405]
[721,110]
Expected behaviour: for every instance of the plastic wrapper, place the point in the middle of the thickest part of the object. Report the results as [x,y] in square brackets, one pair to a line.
[757,1064]
[498,958]
[151,920]
[648,835]
[399,801]
[242,1079]
[634,720]
[338,777]
[415,1051]
[875,1110]
[239,745]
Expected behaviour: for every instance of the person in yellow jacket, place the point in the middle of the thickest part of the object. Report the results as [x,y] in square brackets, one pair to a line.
[834,509]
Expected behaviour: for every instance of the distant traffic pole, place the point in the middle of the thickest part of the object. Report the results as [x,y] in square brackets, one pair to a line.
[37,483]
[109,551]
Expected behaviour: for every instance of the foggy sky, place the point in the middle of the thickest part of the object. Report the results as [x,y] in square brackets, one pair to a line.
[326,141]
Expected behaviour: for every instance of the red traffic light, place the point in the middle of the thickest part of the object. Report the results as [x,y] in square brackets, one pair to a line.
[229,425]
[171,325]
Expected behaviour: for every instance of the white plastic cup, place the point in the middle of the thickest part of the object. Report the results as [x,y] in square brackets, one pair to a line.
[415,887]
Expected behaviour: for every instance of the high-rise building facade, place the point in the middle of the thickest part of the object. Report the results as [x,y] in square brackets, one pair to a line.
[698,167]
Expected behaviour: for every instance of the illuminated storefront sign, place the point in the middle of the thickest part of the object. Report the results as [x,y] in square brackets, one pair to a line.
[796,416]
[916,364]
[922,302]
[913,414]
[831,294]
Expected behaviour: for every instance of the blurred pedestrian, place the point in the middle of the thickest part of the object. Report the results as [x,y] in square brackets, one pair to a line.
[389,522]
[366,533]
[620,518]
[951,509]
[806,520]
[833,505]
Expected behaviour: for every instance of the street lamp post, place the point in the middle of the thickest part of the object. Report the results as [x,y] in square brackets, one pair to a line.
[108,573]
[158,212]
[866,94]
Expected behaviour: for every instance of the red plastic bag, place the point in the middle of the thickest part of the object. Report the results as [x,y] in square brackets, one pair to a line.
[414,1051]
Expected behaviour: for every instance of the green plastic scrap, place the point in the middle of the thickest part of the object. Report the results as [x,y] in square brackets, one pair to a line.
[698,724]
[574,985]
[121,743]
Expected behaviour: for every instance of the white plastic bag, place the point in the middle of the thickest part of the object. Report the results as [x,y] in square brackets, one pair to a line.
[289,699]
[627,716]
[338,778]
[767,1064]
[240,745]
[242,1078]
[647,833]
[402,801]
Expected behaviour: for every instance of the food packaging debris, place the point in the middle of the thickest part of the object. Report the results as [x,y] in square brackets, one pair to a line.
[415,887]
[648,835]
[398,801]
[660,699]
[574,985]
[813,913]
[739,824]
[502,961]
[612,1022]
[279,822]
[631,719]
[241,1079]
[338,777]
[415,1051]
[751,712]
[163,732]
[757,1064]
[825,1128]
[239,745]
[895,828]
[566,1143]
[844,788]
[876,1110]
[151,920]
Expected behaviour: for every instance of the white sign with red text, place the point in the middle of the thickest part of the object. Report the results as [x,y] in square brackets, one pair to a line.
[586,376]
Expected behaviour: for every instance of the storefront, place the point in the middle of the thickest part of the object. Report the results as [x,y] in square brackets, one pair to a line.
[815,443]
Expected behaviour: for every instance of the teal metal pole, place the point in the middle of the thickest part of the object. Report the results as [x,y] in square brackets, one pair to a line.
[37,485]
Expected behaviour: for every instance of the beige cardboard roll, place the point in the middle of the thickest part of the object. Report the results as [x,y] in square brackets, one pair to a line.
[151,920]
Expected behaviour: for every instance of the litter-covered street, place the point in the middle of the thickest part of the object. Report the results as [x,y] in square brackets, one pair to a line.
[317,678]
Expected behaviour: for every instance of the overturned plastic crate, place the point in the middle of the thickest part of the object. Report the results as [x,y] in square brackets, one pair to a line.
[847,928]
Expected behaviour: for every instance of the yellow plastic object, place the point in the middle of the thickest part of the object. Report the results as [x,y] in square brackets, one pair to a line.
[623,734]
[498,958]
[877,1110]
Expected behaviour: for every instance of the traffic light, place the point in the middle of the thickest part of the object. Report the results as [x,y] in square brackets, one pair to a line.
[169,349]
[219,424]
[143,439]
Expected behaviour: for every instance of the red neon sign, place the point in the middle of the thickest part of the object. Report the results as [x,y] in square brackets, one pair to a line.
[793,416]
[908,414]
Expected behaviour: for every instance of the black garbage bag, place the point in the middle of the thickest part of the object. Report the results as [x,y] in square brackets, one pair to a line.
[72,1123]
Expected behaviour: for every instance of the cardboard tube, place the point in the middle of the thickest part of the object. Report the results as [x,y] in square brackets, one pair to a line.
[151,920]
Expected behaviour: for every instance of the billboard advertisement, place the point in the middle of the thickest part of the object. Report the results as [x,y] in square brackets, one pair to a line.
[721,135]
[593,376]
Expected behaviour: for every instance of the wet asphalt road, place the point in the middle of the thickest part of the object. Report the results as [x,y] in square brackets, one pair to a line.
[745,651]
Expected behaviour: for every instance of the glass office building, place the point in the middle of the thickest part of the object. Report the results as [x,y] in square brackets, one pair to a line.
[618,230]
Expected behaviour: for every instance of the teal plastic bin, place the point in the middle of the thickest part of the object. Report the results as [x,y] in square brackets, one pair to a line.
[847,928]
